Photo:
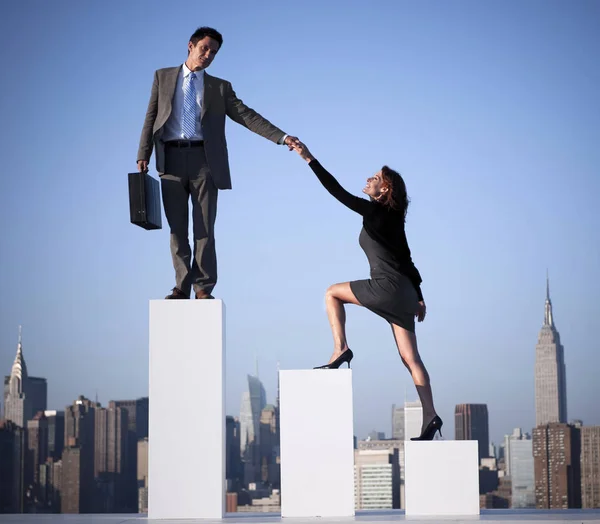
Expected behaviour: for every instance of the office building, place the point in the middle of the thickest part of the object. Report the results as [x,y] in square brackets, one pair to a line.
[550,372]
[471,423]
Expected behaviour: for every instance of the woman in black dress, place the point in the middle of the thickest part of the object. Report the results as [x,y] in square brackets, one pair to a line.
[394,290]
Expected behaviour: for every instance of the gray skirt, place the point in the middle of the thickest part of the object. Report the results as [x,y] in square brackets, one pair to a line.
[393,298]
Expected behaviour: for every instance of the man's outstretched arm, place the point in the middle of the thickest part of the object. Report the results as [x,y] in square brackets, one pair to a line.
[247,117]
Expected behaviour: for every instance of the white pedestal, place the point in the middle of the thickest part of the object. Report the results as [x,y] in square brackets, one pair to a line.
[186,443]
[441,478]
[317,445]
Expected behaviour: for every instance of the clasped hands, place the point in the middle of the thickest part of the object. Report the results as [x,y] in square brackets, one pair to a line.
[294,144]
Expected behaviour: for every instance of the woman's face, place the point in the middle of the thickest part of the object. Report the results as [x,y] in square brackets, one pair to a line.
[376,186]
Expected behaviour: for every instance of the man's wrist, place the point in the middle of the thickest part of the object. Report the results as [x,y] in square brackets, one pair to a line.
[282,141]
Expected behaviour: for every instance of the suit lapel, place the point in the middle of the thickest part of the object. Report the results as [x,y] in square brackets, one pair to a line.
[206,94]
[170,85]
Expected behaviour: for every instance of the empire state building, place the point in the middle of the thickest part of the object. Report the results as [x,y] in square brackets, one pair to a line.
[550,374]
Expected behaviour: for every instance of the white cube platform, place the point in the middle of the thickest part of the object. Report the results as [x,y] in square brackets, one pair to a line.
[186,450]
[441,478]
[317,445]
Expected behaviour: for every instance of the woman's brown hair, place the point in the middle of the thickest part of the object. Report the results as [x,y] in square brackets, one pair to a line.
[395,197]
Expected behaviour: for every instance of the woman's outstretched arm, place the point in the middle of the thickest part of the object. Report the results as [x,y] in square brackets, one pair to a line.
[357,204]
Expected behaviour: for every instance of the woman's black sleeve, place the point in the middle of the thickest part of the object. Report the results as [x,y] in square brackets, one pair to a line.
[357,204]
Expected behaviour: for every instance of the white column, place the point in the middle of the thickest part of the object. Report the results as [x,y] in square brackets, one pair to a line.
[442,477]
[186,442]
[317,445]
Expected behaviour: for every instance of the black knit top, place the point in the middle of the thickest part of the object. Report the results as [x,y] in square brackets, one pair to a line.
[382,223]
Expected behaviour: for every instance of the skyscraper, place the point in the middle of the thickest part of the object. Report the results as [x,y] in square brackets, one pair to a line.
[12,442]
[253,402]
[142,474]
[36,453]
[56,433]
[377,479]
[50,485]
[77,489]
[557,455]
[110,450]
[413,419]
[137,415]
[233,461]
[471,423]
[550,373]
[397,422]
[590,466]
[519,462]
[24,396]
[269,447]
[137,429]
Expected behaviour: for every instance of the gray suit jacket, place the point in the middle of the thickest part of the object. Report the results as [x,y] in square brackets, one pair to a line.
[218,100]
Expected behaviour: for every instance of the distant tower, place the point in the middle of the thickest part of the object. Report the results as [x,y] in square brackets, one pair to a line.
[520,468]
[557,466]
[550,373]
[17,404]
[471,423]
[24,396]
[254,401]
[413,419]
[590,466]
[397,422]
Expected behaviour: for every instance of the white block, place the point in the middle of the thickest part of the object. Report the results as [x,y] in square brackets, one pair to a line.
[317,444]
[186,443]
[441,477]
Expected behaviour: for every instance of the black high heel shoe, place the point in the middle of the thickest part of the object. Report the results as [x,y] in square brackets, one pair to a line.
[435,424]
[346,356]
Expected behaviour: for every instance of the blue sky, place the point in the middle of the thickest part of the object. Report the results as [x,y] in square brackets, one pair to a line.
[490,110]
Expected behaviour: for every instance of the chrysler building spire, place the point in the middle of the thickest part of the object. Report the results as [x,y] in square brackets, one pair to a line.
[19,369]
[25,395]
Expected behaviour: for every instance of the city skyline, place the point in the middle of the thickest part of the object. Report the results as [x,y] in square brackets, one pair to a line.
[489,111]
[96,472]
[254,399]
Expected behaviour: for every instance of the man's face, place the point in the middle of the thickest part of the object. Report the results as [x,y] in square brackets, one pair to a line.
[202,54]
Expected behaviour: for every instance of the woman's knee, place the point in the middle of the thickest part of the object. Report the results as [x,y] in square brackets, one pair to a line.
[341,292]
[332,292]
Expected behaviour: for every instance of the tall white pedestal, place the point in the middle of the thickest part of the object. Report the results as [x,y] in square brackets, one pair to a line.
[317,444]
[441,478]
[186,443]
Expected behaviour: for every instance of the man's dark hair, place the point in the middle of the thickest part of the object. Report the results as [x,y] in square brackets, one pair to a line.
[201,32]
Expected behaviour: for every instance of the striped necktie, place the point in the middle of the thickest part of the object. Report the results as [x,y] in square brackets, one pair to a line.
[188,121]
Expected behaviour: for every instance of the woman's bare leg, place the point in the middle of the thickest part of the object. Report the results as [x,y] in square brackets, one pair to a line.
[335,298]
[409,353]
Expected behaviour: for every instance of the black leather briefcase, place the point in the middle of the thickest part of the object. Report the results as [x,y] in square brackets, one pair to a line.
[144,201]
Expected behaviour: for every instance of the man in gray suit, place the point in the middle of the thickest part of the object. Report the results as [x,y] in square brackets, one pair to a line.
[185,123]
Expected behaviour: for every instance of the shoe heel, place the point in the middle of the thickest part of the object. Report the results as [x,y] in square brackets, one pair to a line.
[346,357]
